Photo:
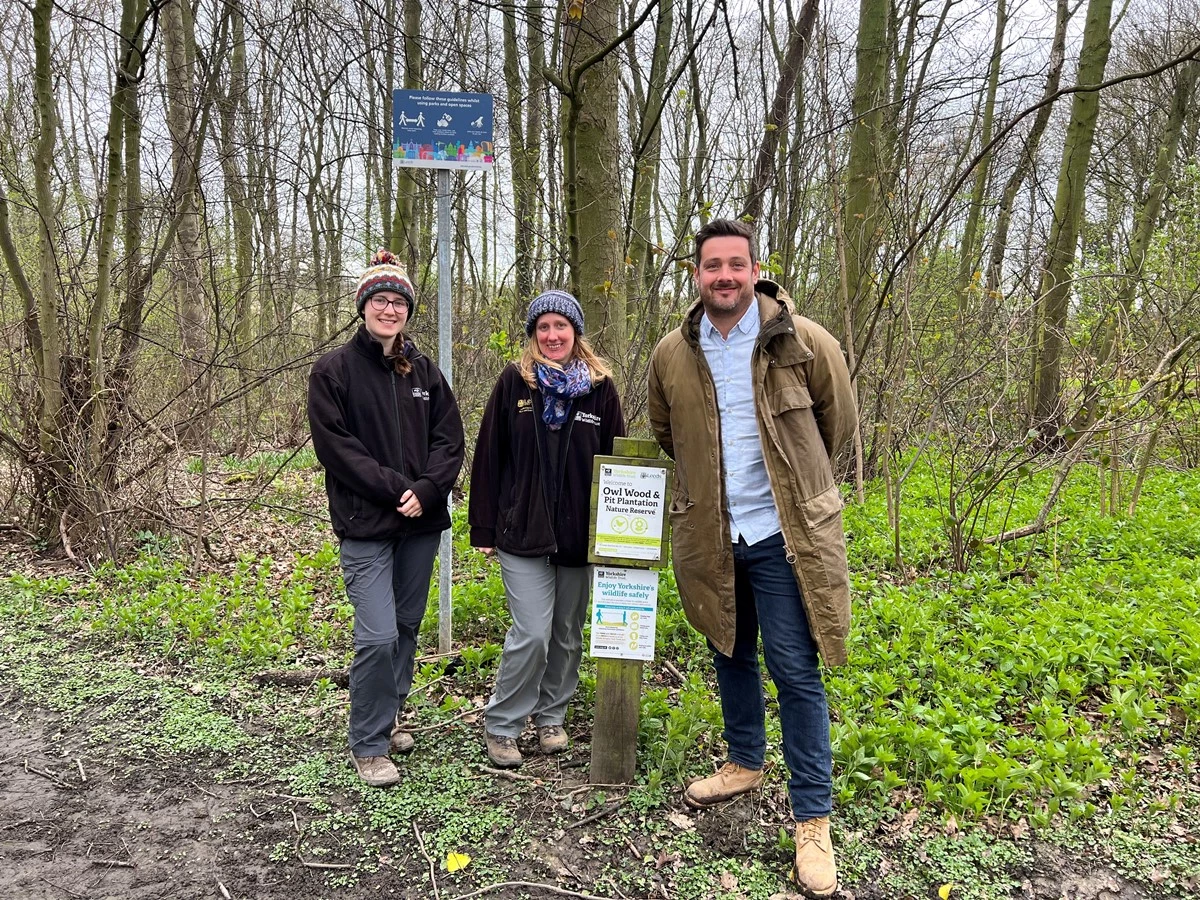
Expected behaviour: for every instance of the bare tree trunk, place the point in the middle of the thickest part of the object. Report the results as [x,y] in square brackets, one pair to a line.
[236,187]
[179,45]
[995,265]
[50,328]
[524,188]
[647,149]
[1145,222]
[405,229]
[969,250]
[592,182]
[1054,294]
[865,168]
[777,119]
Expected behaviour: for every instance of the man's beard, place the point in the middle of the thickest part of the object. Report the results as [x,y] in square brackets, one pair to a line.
[709,297]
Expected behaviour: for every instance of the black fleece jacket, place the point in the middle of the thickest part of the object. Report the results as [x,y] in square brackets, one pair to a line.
[513,506]
[379,434]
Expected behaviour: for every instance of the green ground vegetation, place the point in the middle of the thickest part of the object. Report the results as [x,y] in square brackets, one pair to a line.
[1049,696]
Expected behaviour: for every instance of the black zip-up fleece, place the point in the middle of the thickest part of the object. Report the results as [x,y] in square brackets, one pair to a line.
[511,503]
[379,434]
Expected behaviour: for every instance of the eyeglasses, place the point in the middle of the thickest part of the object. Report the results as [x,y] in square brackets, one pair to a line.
[380,303]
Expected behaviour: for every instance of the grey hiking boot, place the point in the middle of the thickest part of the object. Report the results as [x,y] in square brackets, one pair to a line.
[552,738]
[402,742]
[377,771]
[502,750]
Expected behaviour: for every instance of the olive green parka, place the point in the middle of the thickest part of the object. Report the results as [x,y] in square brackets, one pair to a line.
[806,412]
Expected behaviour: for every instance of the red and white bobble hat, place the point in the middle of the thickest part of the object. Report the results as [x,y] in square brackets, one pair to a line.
[385,273]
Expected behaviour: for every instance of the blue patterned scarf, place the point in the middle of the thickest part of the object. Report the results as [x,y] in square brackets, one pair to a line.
[559,387]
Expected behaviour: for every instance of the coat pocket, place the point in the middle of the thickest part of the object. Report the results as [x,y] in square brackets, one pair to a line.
[827,573]
[820,509]
[789,397]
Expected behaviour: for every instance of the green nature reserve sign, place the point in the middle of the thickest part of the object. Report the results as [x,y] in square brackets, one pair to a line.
[630,511]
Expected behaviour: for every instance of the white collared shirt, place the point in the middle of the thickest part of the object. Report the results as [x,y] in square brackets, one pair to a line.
[752,513]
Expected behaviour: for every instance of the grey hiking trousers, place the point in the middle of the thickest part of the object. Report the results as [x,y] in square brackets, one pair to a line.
[539,670]
[387,583]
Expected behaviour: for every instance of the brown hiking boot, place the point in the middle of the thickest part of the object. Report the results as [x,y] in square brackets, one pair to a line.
[401,742]
[815,871]
[552,738]
[377,771]
[502,751]
[730,781]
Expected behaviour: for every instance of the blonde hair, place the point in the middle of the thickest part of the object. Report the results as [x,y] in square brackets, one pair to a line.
[582,349]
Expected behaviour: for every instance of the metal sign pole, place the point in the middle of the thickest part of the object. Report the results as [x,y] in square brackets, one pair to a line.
[443,130]
[446,364]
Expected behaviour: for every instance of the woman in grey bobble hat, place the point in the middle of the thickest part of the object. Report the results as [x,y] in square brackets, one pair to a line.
[531,480]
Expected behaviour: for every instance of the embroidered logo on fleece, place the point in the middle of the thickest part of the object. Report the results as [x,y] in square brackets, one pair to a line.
[589,418]
[524,406]
[420,393]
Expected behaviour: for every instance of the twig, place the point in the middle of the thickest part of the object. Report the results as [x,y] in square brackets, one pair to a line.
[611,808]
[674,671]
[280,796]
[79,762]
[224,890]
[426,686]
[62,887]
[113,863]
[428,859]
[512,776]
[594,787]
[562,892]
[436,725]
[19,824]
[432,656]
[321,865]
[42,772]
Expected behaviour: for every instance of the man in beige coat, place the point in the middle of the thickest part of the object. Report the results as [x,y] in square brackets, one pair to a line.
[752,402]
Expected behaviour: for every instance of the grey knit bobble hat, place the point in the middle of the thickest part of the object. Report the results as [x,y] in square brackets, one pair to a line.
[554,302]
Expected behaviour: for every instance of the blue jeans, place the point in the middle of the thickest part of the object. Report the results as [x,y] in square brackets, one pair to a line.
[768,597]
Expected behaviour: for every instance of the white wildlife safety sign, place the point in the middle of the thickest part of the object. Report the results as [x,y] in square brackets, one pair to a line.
[624,609]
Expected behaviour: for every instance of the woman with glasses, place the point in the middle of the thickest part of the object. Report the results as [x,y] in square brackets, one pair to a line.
[531,482]
[387,430]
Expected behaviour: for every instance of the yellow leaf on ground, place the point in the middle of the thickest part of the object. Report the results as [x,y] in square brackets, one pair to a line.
[456,861]
[944,891]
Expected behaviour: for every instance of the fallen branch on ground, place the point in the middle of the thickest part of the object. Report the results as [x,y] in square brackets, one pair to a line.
[301,677]
[586,820]
[1023,531]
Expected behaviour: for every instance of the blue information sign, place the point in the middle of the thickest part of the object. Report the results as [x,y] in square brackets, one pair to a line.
[442,129]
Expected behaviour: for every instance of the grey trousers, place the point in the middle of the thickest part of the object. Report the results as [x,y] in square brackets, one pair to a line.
[387,583]
[539,669]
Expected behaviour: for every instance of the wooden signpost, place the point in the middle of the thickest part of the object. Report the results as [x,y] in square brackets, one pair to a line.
[628,538]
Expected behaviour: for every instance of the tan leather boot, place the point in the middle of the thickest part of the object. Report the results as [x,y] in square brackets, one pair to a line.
[730,781]
[815,871]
